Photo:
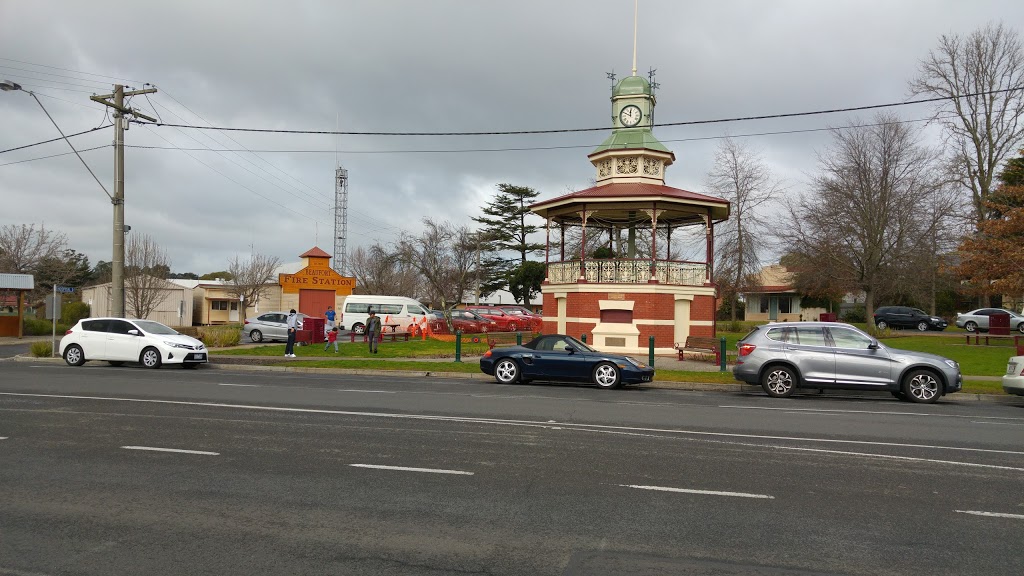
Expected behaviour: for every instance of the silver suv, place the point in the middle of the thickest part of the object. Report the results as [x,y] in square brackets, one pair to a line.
[784,356]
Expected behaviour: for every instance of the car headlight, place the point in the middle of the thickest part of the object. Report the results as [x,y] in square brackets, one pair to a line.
[634,362]
[177,345]
[952,364]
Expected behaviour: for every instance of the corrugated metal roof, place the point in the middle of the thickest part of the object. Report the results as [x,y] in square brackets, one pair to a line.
[17,282]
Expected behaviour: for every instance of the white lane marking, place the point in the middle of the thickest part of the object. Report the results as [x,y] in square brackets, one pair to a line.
[176,450]
[885,412]
[368,391]
[3,437]
[997,423]
[693,491]
[992,514]
[891,457]
[407,469]
[240,385]
[815,414]
[467,419]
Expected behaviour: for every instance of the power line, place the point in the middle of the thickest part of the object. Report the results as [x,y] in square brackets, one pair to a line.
[56,139]
[602,128]
[62,82]
[71,70]
[55,155]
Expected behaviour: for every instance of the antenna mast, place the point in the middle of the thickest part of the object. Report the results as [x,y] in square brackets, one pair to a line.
[636,9]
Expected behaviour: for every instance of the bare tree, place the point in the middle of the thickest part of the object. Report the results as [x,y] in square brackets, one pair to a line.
[982,78]
[869,214]
[146,267]
[379,270]
[740,176]
[445,256]
[24,247]
[249,278]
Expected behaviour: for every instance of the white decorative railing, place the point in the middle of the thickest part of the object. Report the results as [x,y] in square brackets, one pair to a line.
[628,272]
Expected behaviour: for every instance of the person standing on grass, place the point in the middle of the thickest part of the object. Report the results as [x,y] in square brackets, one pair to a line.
[329,323]
[373,330]
[293,324]
[332,338]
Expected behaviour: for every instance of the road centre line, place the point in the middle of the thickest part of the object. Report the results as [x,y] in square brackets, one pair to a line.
[408,469]
[176,450]
[240,385]
[367,391]
[472,420]
[693,491]
[999,423]
[3,437]
[885,412]
[992,514]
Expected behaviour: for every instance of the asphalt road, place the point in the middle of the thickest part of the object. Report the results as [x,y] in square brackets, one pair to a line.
[279,473]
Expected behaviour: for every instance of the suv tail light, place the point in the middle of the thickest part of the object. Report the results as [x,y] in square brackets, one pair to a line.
[746,349]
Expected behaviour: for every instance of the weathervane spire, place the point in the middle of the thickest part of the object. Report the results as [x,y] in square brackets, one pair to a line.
[636,9]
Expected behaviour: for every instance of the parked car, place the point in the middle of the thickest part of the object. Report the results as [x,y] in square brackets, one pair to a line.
[505,322]
[535,321]
[784,356]
[559,357]
[907,317]
[120,340]
[398,310]
[268,326]
[1013,380]
[464,320]
[976,320]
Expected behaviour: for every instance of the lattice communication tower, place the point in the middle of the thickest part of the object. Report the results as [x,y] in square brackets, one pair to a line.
[340,220]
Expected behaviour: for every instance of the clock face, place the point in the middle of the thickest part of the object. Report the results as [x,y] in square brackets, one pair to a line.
[630,115]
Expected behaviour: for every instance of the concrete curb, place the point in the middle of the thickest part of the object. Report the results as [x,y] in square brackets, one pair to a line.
[660,385]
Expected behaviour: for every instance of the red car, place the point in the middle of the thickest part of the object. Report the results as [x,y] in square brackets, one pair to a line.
[536,321]
[463,320]
[505,322]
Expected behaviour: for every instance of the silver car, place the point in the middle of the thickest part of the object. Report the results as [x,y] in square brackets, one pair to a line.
[978,319]
[268,326]
[784,356]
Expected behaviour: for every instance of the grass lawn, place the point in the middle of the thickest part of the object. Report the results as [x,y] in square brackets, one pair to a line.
[412,349]
[471,367]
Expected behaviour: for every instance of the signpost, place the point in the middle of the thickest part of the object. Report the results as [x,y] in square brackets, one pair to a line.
[53,312]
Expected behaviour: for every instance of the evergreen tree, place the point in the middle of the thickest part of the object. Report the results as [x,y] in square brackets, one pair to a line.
[505,228]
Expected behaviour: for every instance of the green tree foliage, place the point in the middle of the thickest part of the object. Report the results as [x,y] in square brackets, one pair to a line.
[223,274]
[183,276]
[72,312]
[524,280]
[505,228]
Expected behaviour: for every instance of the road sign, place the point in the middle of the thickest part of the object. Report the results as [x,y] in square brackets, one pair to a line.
[65,289]
[52,307]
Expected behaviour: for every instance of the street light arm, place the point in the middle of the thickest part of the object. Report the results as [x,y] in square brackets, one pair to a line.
[69,142]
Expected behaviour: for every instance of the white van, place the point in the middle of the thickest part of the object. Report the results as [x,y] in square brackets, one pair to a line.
[396,313]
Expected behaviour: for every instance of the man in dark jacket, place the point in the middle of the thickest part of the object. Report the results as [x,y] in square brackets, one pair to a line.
[373,330]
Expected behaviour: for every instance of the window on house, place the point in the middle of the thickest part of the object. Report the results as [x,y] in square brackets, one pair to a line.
[764,303]
[219,305]
[785,304]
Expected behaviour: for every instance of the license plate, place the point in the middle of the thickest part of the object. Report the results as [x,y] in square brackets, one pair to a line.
[198,357]
[1011,368]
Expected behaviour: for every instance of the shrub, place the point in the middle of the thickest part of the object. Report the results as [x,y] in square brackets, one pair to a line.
[731,326]
[219,336]
[72,312]
[39,327]
[855,314]
[192,331]
[41,349]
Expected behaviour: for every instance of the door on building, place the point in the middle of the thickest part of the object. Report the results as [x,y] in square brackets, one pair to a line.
[233,313]
[773,307]
[315,302]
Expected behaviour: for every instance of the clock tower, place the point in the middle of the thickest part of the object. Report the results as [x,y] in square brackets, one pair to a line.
[631,153]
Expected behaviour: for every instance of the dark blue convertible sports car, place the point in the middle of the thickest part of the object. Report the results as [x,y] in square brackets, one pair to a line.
[558,357]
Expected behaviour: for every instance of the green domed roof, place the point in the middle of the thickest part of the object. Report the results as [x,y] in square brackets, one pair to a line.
[632,86]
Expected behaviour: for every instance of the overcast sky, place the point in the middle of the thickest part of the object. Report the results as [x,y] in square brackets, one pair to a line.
[415,66]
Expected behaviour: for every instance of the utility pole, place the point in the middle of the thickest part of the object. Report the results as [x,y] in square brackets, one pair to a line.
[121,114]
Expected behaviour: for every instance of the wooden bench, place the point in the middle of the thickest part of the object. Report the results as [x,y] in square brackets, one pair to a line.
[705,345]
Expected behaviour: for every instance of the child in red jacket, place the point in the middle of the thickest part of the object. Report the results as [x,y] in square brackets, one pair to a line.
[332,338]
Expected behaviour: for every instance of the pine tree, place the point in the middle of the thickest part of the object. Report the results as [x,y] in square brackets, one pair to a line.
[505,228]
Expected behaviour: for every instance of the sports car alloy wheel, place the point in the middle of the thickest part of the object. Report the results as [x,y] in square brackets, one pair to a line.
[779,382]
[606,375]
[506,371]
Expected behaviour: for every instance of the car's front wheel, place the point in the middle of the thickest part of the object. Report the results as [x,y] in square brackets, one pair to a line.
[607,375]
[150,358]
[922,326]
[256,336]
[971,326]
[506,371]
[74,355]
[922,386]
[779,382]
[881,325]
[512,326]
[1020,327]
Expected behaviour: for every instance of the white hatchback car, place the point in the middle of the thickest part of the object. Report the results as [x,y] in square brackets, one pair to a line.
[119,340]
[1013,380]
